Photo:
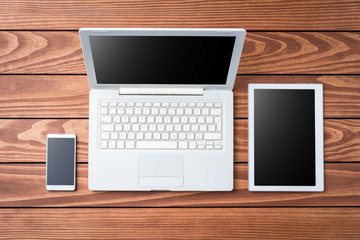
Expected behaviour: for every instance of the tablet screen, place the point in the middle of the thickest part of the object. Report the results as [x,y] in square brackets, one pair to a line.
[284,137]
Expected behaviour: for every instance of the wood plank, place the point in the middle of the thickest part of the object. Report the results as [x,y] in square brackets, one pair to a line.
[66,96]
[204,223]
[25,140]
[341,93]
[52,52]
[253,15]
[23,185]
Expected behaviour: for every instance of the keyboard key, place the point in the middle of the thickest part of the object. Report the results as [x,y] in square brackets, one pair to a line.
[106,119]
[112,104]
[214,136]
[197,111]
[209,119]
[146,111]
[140,135]
[103,144]
[121,144]
[114,136]
[198,136]
[215,111]
[107,127]
[129,111]
[217,104]
[218,147]
[183,145]
[125,119]
[182,136]
[130,144]
[173,136]
[190,136]
[186,128]
[157,136]
[205,111]
[150,119]
[165,136]
[156,144]
[131,136]
[139,104]
[192,145]
[148,136]
[211,128]
[184,119]
[121,104]
[112,111]
[104,104]
[200,104]
[130,104]
[118,127]
[209,104]
[116,119]
[122,135]
[177,128]
[112,144]
[127,127]
[105,135]
[201,146]
[163,111]
[103,111]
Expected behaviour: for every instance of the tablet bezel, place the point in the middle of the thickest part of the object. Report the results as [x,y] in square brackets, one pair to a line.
[319,138]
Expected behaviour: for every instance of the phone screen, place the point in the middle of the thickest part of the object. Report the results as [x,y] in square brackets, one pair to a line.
[60,161]
[284,137]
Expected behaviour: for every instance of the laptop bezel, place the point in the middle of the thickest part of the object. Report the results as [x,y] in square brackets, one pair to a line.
[239,35]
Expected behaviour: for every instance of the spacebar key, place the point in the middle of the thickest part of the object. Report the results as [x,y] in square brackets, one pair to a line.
[156,145]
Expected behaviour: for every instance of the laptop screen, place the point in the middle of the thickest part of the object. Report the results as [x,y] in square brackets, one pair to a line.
[203,60]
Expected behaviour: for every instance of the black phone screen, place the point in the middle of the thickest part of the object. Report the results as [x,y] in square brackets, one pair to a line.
[284,137]
[60,161]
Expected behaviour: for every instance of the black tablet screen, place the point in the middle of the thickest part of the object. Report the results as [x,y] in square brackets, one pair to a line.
[284,134]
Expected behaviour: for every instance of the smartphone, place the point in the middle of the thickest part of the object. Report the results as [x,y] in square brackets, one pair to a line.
[60,162]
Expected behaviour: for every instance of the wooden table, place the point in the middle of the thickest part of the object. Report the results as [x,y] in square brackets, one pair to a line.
[44,89]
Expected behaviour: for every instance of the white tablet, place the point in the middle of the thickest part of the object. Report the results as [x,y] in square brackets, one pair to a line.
[286,137]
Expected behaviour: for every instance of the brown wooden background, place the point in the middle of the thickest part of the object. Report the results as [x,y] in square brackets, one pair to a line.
[44,89]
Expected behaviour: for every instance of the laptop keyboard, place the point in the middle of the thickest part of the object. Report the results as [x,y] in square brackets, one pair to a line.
[161,125]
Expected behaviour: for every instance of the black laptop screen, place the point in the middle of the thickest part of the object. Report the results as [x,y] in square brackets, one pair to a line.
[162,59]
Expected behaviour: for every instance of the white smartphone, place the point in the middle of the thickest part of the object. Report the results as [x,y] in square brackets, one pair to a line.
[60,162]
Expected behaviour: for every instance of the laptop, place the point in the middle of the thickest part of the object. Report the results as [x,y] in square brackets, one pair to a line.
[161,107]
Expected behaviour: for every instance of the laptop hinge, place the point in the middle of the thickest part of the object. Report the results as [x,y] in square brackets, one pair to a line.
[161,91]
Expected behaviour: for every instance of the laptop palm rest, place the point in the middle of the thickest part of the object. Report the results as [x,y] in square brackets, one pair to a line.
[161,171]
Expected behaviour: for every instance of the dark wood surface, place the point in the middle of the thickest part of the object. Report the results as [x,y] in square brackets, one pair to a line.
[253,15]
[24,140]
[184,223]
[59,52]
[44,89]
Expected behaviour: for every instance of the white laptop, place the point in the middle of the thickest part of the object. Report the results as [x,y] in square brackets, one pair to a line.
[161,108]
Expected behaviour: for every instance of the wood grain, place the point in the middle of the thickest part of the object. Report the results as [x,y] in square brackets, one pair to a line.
[66,96]
[341,93]
[52,52]
[342,188]
[25,140]
[204,223]
[252,15]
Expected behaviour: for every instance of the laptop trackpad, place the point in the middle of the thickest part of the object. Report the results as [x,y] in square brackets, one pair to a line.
[161,171]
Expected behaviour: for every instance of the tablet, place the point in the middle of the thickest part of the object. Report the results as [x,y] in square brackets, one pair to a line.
[286,137]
